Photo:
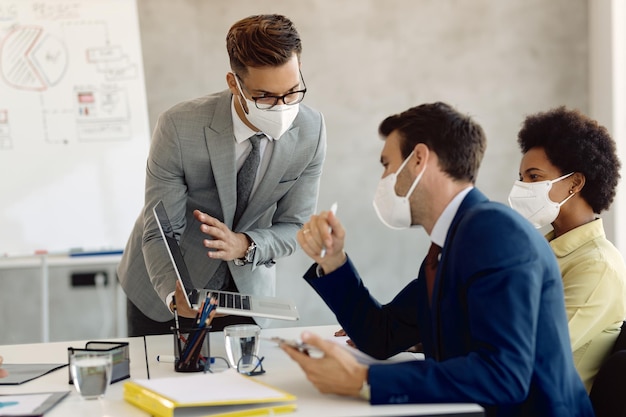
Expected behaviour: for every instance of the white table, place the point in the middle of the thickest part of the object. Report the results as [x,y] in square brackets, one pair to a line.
[281,372]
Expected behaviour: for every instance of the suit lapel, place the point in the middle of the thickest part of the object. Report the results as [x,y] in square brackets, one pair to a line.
[473,198]
[220,142]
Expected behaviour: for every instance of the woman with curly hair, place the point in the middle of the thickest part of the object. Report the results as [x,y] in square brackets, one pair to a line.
[568,175]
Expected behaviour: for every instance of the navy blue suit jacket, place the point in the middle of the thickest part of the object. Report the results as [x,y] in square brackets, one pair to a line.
[497,331]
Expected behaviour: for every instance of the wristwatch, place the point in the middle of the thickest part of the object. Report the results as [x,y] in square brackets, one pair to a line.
[249,255]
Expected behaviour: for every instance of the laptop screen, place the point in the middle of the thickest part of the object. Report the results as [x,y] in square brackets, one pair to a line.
[174,250]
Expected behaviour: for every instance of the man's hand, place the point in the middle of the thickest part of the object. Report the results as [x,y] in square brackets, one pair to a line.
[336,372]
[324,230]
[226,244]
[3,372]
[342,333]
[183,309]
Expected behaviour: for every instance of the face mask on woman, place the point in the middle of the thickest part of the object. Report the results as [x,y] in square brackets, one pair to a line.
[532,200]
[392,210]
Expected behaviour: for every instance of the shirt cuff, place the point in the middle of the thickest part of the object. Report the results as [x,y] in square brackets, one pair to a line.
[168,301]
[365,391]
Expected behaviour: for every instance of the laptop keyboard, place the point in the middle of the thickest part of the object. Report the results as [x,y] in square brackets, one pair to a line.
[233,300]
[225,299]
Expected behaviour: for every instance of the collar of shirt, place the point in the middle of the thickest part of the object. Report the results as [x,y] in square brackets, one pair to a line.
[440,230]
[575,238]
[240,129]
[243,147]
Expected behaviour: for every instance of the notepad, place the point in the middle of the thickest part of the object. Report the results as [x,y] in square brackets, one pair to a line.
[226,393]
[365,359]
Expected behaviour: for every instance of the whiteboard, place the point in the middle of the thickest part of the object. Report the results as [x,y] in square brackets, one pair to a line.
[74,131]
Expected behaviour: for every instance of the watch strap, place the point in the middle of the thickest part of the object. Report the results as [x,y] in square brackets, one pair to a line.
[248,257]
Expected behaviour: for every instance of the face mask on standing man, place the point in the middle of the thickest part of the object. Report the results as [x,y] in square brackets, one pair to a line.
[273,121]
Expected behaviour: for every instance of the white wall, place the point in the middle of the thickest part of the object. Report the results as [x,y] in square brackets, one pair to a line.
[364,60]
[607,99]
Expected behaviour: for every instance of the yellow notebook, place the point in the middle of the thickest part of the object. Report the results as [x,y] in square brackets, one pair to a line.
[226,393]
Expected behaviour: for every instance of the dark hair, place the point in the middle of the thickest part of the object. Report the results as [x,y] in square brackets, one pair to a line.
[458,141]
[261,41]
[574,142]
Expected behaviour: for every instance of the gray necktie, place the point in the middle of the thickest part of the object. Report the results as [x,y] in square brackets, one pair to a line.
[246,177]
[245,181]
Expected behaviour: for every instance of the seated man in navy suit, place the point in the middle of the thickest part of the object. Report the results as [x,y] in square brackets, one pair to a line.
[487,305]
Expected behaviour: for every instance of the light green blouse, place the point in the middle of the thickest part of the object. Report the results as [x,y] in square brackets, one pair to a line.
[594,281]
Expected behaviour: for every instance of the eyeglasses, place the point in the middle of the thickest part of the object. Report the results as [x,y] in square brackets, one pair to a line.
[266,102]
[251,365]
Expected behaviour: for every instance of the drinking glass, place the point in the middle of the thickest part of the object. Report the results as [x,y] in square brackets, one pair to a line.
[242,346]
[91,373]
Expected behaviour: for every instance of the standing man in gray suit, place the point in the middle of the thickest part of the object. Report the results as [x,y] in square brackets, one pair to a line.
[198,148]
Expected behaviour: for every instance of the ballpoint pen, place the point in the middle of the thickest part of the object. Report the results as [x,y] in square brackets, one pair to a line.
[175,311]
[8,403]
[333,209]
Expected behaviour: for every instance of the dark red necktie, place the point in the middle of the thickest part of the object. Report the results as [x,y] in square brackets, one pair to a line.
[430,268]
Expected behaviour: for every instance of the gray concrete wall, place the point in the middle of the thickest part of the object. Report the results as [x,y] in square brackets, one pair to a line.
[364,60]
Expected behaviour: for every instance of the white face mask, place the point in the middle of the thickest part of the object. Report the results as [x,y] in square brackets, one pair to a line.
[273,122]
[392,210]
[532,200]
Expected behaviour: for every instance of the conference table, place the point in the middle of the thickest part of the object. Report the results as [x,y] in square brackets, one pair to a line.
[281,372]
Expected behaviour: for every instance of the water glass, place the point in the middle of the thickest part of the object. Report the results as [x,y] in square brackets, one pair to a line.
[242,346]
[91,373]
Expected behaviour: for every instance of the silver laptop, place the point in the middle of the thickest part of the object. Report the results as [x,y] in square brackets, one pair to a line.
[228,302]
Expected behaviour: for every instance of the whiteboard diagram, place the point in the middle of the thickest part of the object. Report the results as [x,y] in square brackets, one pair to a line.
[38,58]
[73,123]
[31,60]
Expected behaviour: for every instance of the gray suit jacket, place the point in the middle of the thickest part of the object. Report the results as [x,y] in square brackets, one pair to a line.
[191,165]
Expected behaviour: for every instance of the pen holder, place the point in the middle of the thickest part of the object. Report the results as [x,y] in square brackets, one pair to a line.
[119,354]
[191,349]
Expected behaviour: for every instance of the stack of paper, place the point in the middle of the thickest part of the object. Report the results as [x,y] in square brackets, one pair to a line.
[225,394]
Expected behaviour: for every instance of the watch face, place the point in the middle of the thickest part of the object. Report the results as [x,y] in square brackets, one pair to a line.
[249,256]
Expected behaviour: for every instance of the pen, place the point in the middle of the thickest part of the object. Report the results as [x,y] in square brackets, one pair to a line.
[193,345]
[333,209]
[194,350]
[8,403]
[175,312]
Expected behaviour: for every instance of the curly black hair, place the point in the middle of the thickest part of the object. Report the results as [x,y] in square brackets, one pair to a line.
[574,142]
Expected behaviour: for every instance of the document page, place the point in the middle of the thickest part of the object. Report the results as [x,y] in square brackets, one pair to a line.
[228,387]
[366,359]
